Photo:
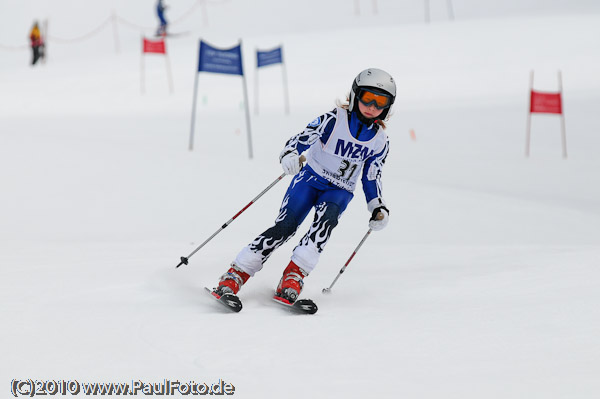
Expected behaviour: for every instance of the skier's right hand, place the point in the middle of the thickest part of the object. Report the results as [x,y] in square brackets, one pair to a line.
[290,163]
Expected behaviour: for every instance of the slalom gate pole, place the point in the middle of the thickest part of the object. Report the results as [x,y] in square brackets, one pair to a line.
[328,289]
[184,260]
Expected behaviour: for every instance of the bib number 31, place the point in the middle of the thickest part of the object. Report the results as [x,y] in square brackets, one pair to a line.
[347,169]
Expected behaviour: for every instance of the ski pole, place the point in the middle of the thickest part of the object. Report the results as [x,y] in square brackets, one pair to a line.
[328,290]
[184,259]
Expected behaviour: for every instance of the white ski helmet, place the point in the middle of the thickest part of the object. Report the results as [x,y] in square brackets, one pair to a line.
[377,80]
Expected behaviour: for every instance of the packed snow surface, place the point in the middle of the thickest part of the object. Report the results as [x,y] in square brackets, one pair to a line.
[485,284]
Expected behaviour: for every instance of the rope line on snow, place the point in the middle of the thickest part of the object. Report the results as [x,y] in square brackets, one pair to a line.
[133,25]
[118,18]
[188,13]
[13,48]
[82,37]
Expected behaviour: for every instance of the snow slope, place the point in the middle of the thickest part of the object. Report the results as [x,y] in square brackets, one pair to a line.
[484,285]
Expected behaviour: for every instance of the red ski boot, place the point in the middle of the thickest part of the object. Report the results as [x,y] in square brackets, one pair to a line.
[290,285]
[232,281]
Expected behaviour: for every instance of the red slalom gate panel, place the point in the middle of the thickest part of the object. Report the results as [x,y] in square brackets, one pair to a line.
[154,46]
[546,103]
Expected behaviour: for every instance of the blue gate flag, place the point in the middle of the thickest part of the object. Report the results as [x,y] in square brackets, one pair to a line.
[264,58]
[227,61]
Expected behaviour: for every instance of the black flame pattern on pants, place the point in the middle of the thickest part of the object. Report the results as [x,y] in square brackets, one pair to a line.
[284,228]
[326,218]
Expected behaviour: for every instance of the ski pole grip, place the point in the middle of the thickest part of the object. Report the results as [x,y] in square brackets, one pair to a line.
[379,216]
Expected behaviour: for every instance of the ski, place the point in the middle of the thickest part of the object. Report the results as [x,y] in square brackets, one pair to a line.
[230,301]
[176,34]
[301,306]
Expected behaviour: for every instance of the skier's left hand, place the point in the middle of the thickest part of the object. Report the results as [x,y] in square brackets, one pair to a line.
[379,218]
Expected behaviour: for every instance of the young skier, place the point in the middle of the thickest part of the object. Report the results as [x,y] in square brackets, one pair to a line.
[160,13]
[341,146]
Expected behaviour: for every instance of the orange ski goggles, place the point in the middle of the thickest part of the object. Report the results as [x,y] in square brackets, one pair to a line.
[380,100]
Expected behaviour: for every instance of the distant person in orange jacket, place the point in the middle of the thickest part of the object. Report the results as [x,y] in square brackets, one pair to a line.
[37,43]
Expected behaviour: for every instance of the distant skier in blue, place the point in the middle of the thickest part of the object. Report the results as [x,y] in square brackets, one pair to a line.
[342,146]
[160,12]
